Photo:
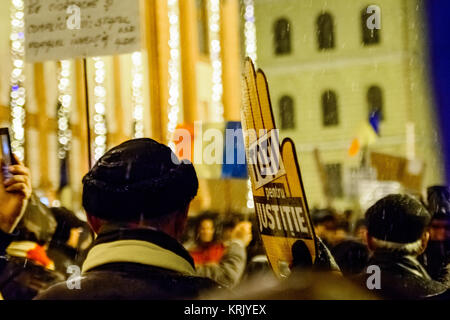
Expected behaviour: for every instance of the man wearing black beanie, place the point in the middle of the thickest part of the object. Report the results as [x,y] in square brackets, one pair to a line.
[136,198]
[396,234]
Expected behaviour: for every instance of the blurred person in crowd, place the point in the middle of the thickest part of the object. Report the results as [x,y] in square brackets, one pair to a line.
[341,233]
[360,231]
[302,260]
[229,223]
[350,252]
[397,234]
[25,268]
[190,233]
[257,262]
[348,215]
[227,230]
[70,240]
[320,280]
[437,255]
[137,198]
[207,248]
[351,256]
[329,227]
[229,269]
[324,225]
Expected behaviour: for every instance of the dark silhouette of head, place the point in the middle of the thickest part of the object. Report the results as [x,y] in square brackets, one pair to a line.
[140,182]
[399,223]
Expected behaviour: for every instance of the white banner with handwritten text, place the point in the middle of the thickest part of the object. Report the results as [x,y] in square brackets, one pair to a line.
[63,29]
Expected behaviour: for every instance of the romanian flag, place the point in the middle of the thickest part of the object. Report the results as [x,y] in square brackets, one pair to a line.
[368,133]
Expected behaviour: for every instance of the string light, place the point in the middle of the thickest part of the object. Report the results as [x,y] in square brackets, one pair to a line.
[250,51]
[250,202]
[65,100]
[216,60]
[137,95]
[250,30]
[174,69]
[100,130]
[17,78]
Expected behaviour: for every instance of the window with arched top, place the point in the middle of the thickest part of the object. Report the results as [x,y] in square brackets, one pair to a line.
[287,115]
[375,100]
[282,36]
[370,36]
[330,115]
[325,31]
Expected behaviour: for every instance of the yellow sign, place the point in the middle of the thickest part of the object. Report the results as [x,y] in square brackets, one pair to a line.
[280,202]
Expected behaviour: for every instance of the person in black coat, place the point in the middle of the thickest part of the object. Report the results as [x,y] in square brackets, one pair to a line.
[437,255]
[137,198]
[69,242]
[397,235]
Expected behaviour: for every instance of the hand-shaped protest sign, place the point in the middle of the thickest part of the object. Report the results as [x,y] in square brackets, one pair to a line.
[280,202]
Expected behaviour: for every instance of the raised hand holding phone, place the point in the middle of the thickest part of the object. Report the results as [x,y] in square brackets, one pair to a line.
[15,187]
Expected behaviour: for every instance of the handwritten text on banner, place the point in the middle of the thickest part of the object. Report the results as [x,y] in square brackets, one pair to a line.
[105,27]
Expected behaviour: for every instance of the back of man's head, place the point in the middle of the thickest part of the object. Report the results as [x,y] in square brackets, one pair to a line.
[397,222]
[138,179]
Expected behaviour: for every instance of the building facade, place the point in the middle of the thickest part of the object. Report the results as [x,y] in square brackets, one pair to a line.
[327,71]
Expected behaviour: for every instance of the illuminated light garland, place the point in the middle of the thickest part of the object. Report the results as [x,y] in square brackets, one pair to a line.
[250,30]
[137,95]
[100,130]
[17,95]
[216,60]
[250,51]
[65,100]
[174,69]
[250,202]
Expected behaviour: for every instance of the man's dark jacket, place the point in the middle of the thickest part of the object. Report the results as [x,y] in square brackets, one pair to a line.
[167,272]
[403,277]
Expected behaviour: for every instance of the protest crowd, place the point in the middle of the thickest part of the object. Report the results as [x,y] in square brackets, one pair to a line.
[140,244]
[143,156]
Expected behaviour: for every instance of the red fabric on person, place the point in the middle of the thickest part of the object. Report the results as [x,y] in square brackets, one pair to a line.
[211,253]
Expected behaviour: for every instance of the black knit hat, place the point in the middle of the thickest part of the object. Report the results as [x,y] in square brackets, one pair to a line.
[140,177]
[397,218]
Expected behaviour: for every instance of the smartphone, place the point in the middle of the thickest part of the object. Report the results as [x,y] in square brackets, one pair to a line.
[7,157]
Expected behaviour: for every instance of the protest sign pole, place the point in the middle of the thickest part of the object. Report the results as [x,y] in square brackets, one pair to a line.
[88,125]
